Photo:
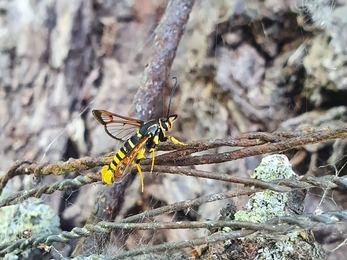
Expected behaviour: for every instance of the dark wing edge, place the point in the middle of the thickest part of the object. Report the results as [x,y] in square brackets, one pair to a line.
[109,119]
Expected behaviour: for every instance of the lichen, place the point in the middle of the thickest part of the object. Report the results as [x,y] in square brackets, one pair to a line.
[273,167]
[266,205]
[29,218]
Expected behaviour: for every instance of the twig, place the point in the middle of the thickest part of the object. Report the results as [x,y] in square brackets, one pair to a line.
[89,229]
[184,205]
[106,227]
[306,221]
[315,136]
[168,36]
[56,168]
[310,221]
[226,177]
[280,141]
[324,182]
[87,163]
[177,245]
[49,189]
[12,172]
[195,224]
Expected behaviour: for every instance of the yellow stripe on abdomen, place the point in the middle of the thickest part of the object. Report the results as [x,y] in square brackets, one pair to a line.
[108,172]
[113,164]
[132,145]
[120,154]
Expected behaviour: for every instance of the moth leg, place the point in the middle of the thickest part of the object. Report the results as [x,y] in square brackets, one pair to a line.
[140,156]
[152,161]
[141,176]
[175,141]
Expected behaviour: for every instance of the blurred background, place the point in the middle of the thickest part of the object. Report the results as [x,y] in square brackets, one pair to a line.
[242,66]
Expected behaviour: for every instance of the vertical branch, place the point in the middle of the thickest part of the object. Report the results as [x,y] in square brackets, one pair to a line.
[168,36]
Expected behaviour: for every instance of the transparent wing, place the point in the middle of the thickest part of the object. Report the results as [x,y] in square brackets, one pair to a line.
[117,126]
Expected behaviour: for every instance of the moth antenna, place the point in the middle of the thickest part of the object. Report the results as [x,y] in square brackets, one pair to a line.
[172,92]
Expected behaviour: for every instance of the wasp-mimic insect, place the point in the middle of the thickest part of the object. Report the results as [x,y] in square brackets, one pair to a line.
[139,137]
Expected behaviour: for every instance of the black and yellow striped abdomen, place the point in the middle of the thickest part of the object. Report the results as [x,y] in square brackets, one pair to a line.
[108,172]
[145,140]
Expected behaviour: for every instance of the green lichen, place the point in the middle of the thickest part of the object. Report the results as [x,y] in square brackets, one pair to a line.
[263,206]
[273,167]
[31,216]
[281,249]
[267,204]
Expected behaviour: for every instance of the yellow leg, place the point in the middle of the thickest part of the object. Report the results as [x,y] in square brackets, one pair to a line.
[152,161]
[140,173]
[109,157]
[175,141]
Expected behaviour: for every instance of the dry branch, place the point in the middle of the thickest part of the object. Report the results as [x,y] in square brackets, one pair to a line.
[167,37]
[306,221]
[279,142]
[315,135]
